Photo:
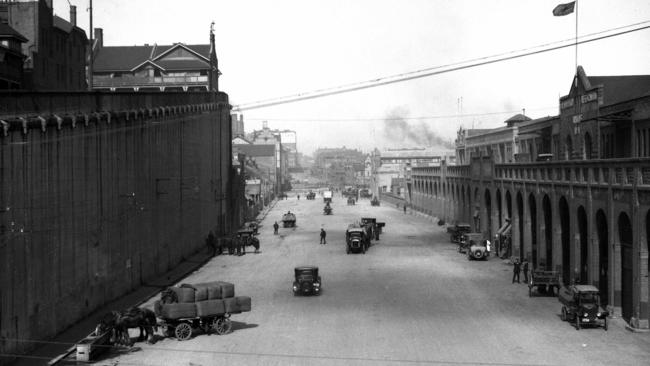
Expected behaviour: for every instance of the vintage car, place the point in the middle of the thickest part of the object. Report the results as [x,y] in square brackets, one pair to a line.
[289,220]
[311,195]
[356,239]
[365,193]
[247,238]
[581,304]
[477,249]
[374,201]
[350,201]
[251,225]
[457,230]
[371,227]
[307,281]
[327,210]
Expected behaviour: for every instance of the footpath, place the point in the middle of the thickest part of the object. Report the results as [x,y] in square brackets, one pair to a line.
[55,350]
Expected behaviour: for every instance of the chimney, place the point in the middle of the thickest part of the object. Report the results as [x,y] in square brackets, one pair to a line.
[73,15]
[99,37]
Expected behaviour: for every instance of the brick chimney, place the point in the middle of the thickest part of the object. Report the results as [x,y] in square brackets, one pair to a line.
[73,15]
[99,37]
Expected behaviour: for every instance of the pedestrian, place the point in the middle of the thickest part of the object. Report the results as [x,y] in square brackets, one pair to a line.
[298,197]
[323,234]
[275,228]
[525,270]
[405,208]
[211,242]
[516,270]
[488,246]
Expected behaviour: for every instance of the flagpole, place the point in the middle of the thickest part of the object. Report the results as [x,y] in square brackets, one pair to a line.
[576,45]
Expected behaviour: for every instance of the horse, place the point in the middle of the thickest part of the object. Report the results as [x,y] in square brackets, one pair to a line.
[121,322]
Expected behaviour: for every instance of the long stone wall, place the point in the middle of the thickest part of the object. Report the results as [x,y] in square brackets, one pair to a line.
[99,193]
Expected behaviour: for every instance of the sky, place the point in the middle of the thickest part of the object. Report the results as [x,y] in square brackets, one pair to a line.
[270,49]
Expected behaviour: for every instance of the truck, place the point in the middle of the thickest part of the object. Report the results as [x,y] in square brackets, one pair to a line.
[327,196]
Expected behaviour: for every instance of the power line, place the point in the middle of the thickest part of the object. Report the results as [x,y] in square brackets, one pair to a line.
[319,93]
[348,119]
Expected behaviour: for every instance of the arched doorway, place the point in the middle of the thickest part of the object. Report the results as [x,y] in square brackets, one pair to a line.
[488,210]
[462,203]
[520,219]
[508,245]
[603,257]
[499,208]
[584,246]
[548,231]
[625,237]
[508,205]
[475,209]
[587,147]
[565,240]
[532,207]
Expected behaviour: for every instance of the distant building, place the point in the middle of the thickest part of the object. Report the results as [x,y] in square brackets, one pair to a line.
[177,67]
[55,49]
[339,166]
[237,125]
[11,58]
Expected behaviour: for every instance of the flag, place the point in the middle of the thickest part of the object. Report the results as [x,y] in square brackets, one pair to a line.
[564,9]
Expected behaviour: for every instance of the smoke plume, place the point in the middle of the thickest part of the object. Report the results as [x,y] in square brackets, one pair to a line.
[399,132]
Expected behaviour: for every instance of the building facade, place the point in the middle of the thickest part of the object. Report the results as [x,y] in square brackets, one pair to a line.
[177,67]
[11,58]
[55,49]
[584,213]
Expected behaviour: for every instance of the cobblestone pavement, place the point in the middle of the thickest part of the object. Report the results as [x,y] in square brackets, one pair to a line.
[411,299]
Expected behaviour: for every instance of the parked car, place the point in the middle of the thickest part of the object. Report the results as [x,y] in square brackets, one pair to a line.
[581,304]
[457,230]
[307,281]
[477,249]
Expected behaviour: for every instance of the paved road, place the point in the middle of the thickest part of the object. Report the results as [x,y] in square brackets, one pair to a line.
[411,299]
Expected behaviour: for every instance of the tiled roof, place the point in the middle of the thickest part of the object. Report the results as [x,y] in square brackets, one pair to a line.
[621,88]
[6,32]
[517,118]
[125,58]
[255,150]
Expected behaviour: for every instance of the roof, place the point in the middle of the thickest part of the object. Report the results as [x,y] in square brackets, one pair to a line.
[517,118]
[126,58]
[617,89]
[255,150]
[6,31]
[65,25]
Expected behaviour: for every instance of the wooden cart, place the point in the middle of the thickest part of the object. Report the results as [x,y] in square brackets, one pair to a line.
[549,280]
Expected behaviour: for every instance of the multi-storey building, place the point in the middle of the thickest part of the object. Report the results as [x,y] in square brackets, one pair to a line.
[55,49]
[177,67]
[11,58]
[584,213]
[338,166]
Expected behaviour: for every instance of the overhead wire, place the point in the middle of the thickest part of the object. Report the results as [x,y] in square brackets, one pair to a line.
[435,70]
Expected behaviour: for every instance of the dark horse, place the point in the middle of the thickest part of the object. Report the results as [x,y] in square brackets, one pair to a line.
[121,321]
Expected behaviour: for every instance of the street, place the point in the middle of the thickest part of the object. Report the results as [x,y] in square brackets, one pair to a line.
[411,299]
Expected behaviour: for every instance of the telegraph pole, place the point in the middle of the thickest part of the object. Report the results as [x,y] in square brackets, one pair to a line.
[91,59]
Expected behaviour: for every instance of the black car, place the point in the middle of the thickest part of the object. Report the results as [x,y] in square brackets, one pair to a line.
[307,281]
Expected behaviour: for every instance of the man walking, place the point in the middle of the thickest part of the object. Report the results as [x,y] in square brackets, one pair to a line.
[275,228]
[516,270]
[322,236]
[405,208]
[211,242]
[525,270]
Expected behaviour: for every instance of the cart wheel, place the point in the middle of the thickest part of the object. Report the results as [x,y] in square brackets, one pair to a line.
[605,324]
[577,322]
[183,331]
[564,315]
[222,325]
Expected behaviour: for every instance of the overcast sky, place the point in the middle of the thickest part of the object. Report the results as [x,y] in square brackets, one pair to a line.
[270,49]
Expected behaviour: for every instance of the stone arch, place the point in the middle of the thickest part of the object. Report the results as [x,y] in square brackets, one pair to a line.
[587,146]
[625,236]
[488,210]
[603,256]
[584,246]
[532,210]
[520,225]
[508,205]
[565,228]
[548,232]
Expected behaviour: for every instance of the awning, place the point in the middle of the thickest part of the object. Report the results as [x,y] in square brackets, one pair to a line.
[504,229]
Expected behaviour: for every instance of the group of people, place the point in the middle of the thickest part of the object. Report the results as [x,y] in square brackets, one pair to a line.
[518,268]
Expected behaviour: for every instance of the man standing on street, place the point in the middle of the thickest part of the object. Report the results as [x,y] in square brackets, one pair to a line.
[405,208]
[211,242]
[322,236]
[516,270]
[275,228]
[525,270]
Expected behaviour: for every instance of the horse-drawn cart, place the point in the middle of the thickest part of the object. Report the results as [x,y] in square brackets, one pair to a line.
[546,281]
[204,306]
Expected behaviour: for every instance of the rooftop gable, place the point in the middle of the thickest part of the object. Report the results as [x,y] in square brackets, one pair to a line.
[128,58]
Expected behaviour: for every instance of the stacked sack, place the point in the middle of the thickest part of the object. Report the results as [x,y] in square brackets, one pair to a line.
[203,300]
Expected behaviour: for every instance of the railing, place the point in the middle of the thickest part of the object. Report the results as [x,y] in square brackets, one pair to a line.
[31,103]
[158,81]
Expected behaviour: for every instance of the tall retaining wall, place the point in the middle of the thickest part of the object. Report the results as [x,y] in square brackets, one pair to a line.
[100,192]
